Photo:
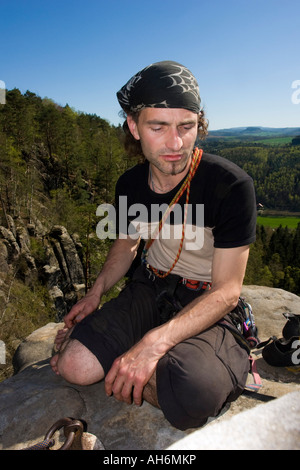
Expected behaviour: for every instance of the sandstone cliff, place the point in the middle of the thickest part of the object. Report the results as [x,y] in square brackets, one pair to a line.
[50,255]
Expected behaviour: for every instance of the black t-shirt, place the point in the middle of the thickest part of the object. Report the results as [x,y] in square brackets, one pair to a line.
[221,214]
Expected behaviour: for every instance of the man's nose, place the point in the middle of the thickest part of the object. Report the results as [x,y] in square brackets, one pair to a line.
[174,141]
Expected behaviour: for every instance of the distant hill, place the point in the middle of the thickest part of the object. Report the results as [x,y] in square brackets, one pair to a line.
[256,131]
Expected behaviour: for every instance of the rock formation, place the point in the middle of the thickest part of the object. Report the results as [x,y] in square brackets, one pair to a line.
[34,398]
[59,267]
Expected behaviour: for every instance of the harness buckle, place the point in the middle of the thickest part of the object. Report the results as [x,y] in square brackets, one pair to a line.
[151,275]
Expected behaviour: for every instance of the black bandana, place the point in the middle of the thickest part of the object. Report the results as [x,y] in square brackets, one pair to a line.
[161,85]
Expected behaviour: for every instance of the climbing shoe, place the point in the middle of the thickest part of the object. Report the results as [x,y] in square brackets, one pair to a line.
[282,352]
[292,326]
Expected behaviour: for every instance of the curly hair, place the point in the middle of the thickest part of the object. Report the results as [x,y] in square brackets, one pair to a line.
[133,147]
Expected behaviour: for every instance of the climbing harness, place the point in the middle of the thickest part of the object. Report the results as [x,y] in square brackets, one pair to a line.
[243,325]
[243,328]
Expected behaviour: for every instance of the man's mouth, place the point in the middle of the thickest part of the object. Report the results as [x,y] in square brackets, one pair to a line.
[172,158]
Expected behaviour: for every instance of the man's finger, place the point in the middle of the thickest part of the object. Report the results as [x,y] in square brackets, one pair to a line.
[126,393]
[138,394]
[110,377]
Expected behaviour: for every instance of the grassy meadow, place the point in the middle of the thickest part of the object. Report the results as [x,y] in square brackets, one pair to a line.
[275,221]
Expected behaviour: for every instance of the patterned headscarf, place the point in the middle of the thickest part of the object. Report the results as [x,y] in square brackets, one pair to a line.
[161,85]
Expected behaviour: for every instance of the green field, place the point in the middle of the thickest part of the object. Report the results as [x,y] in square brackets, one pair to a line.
[276,221]
[274,141]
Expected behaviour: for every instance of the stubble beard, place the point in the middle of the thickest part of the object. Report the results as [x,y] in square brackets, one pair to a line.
[176,167]
[176,171]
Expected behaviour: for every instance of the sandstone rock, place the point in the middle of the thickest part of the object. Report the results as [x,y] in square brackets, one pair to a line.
[13,249]
[23,239]
[38,345]
[62,272]
[68,256]
[259,428]
[33,399]
[4,266]
[268,306]
[10,224]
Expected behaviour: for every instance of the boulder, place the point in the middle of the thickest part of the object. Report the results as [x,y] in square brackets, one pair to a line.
[34,398]
[38,344]
[264,429]
[268,304]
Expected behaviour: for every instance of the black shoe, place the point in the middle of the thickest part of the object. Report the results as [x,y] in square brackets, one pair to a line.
[292,326]
[282,353]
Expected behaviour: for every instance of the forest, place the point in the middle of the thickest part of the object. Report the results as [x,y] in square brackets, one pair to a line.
[64,163]
[57,165]
[275,169]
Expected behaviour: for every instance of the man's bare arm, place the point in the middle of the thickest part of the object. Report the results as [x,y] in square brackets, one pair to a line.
[229,266]
[118,262]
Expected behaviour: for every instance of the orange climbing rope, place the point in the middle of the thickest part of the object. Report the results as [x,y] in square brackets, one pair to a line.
[197,155]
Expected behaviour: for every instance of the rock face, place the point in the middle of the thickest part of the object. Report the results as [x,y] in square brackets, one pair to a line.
[58,264]
[64,274]
[33,399]
[261,423]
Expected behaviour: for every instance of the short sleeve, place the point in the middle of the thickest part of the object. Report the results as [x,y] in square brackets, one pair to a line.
[236,218]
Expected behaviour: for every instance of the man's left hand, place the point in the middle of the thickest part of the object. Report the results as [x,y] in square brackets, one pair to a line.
[130,373]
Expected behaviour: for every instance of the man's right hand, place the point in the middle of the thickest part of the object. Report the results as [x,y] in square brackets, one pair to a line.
[78,312]
[82,309]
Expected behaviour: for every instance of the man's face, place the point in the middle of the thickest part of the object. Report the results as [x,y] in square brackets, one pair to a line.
[167,137]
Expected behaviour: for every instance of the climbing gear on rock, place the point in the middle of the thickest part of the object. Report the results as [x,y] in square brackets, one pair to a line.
[74,431]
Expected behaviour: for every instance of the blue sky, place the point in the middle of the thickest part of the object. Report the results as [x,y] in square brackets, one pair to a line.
[244,53]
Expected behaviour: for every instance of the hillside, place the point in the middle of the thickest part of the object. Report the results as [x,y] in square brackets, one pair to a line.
[256,131]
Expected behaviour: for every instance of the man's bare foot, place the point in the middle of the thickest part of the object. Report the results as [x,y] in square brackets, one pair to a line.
[61,336]
[60,342]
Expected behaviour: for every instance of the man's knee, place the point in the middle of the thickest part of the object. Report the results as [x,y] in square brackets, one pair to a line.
[188,397]
[77,365]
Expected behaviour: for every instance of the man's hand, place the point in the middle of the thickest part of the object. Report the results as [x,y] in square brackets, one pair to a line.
[131,372]
[82,309]
[79,311]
